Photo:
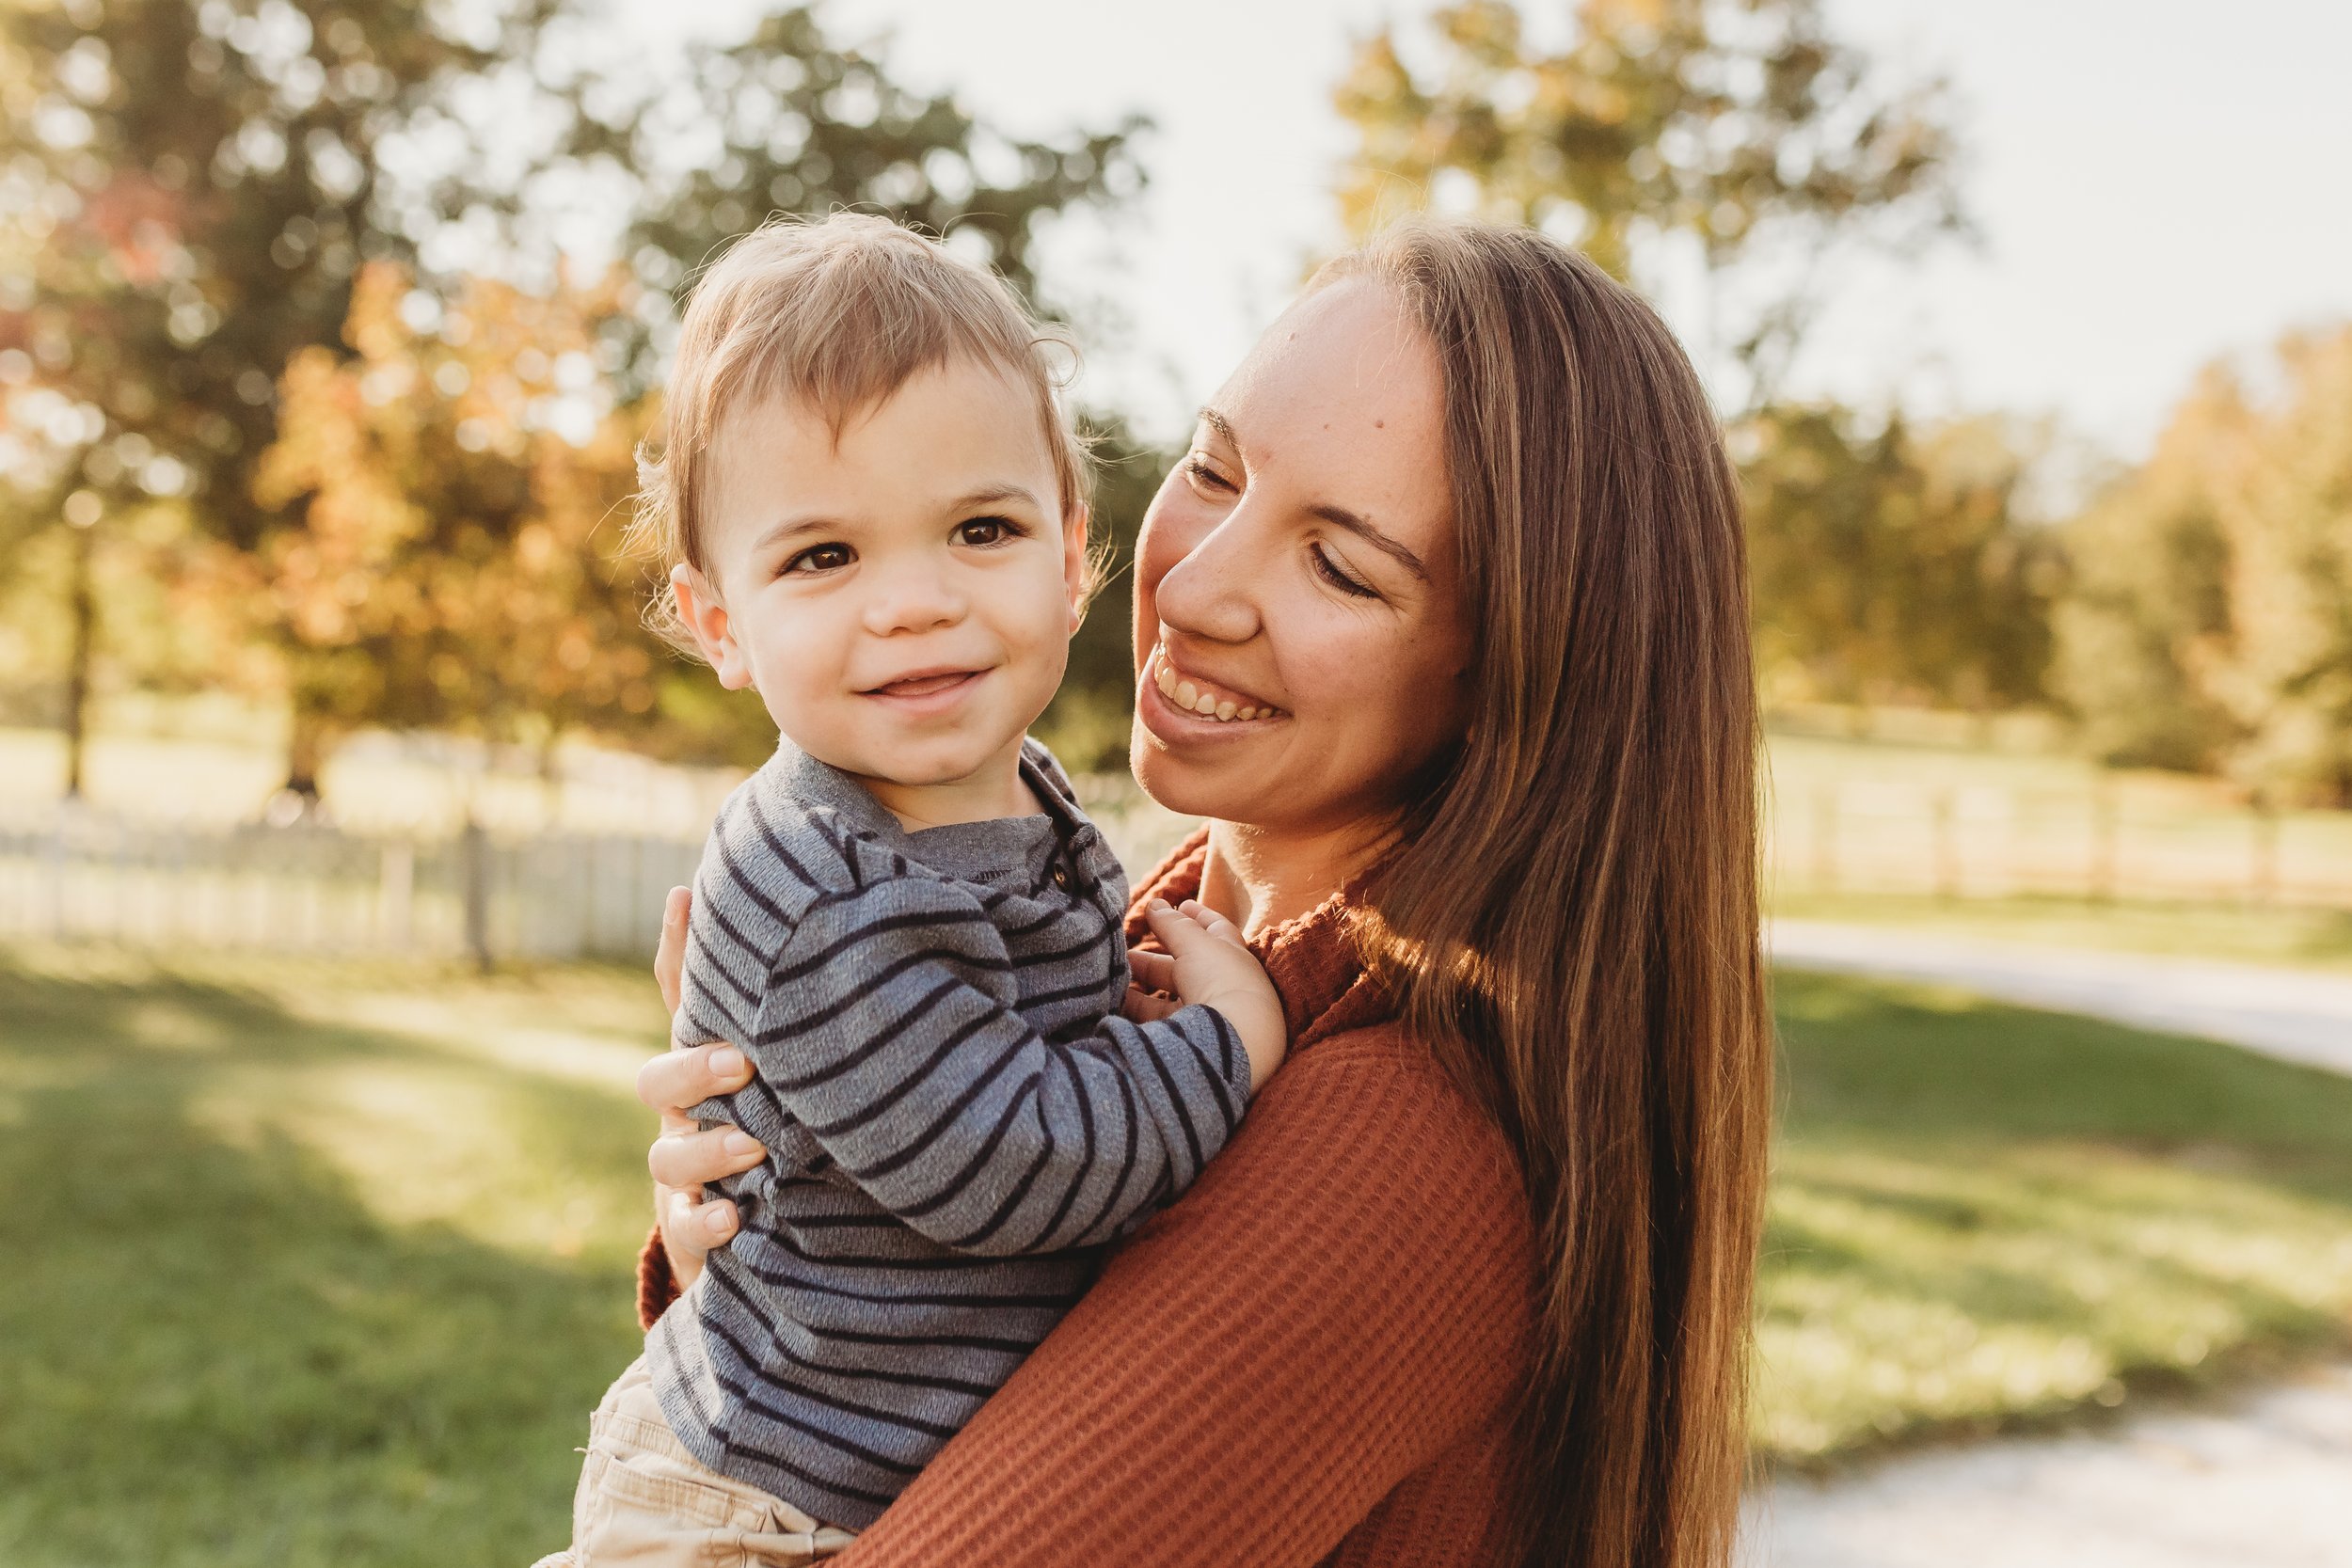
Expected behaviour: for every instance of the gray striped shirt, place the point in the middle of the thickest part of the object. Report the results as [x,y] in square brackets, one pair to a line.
[956,1118]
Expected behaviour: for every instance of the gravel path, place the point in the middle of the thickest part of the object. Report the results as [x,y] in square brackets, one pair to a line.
[2281,1012]
[2263,1481]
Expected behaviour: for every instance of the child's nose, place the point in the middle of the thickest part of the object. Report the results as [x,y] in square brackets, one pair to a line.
[914,600]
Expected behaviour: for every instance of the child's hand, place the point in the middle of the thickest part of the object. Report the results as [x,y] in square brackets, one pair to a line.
[1208,964]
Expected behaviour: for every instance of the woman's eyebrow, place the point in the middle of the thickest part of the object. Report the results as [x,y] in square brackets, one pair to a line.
[1340,516]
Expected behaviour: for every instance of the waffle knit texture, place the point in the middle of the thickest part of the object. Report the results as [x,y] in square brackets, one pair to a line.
[1313,1359]
[955,1116]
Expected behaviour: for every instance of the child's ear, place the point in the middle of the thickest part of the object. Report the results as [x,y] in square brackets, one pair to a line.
[706,616]
[1076,567]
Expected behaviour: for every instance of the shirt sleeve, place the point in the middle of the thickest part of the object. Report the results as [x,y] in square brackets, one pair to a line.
[1344,1297]
[888,1032]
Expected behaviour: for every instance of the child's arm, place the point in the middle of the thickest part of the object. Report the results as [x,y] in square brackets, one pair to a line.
[888,1032]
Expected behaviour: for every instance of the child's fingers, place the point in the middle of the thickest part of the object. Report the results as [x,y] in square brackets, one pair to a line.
[1141,1007]
[1212,922]
[1179,932]
[1176,931]
[1152,971]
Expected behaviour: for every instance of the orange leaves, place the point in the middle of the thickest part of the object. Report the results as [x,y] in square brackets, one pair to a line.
[453,481]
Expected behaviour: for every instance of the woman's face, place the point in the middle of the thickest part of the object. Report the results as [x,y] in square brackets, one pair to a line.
[1299,635]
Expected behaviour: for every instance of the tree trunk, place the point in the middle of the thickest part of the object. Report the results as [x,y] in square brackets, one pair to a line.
[307,745]
[84,614]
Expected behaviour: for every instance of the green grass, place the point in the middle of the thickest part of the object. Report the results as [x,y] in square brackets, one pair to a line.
[1981,1216]
[326,1264]
[284,1290]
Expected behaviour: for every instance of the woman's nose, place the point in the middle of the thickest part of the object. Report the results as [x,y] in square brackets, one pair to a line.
[1208,586]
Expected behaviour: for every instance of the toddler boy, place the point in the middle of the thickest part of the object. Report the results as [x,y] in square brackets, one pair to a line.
[875,509]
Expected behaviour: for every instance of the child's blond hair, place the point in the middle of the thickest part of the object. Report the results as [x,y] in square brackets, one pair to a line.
[837,314]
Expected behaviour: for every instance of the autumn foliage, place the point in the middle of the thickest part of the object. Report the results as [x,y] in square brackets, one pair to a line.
[457,487]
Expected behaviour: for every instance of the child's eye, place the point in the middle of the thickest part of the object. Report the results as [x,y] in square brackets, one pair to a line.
[820,558]
[983,532]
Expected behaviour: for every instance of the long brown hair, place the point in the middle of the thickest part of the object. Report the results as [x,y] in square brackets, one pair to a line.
[1572,915]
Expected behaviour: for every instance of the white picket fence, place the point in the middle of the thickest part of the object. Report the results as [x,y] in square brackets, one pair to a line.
[80,875]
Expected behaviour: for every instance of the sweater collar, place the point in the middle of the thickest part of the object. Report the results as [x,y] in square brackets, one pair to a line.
[1312,959]
[983,848]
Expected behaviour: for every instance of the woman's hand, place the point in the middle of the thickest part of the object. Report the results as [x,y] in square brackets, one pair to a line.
[685,1156]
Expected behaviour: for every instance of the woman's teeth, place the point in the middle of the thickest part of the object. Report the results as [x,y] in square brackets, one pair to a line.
[1208,704]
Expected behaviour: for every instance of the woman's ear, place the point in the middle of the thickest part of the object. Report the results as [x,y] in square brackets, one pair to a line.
[706,616]
[1077,563]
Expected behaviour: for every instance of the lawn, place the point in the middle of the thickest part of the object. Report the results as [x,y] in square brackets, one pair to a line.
[326,1264]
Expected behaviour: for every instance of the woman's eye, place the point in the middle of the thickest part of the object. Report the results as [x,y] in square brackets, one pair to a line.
[983,532]
[820,558]
[1198,469]
[1329,571]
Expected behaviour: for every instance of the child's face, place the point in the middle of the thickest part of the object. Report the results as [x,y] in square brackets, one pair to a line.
[901,597]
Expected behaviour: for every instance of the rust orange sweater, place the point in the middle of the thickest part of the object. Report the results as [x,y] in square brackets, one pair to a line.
[1309,1358]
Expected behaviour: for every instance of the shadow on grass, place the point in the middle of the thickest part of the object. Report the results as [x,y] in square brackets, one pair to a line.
[215,1350]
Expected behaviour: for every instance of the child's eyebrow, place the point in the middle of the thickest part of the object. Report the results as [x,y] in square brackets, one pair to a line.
[789,527]
[988,495]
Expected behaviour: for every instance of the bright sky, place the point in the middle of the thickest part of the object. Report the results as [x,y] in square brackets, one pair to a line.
[2157,183]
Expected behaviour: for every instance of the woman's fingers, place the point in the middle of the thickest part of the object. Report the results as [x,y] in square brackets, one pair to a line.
[691,1159]
[677,1079]
[691,1226]
[669,957]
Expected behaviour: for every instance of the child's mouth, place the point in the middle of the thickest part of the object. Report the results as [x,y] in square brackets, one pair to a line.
[925,685]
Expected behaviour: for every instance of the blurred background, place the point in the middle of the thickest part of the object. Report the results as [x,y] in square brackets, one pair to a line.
[339,781]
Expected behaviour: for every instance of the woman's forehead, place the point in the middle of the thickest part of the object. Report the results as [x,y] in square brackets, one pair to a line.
[1343,396]
[1346,347]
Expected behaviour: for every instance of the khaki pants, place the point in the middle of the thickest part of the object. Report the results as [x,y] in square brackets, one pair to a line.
[645,1502]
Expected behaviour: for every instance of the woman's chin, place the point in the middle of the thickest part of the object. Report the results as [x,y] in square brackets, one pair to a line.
[1179,779]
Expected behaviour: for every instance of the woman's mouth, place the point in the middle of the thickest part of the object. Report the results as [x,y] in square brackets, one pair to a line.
[1192,694]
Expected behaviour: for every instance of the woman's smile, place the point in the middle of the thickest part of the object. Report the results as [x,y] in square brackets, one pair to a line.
[1190,695]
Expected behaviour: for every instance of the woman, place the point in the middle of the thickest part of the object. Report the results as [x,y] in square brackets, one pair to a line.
[1472,1286]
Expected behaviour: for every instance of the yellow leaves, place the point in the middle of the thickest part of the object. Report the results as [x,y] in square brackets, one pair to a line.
[2208,625]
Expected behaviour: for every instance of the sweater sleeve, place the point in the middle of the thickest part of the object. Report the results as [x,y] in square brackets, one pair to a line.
[1343,1298]
[889,1032]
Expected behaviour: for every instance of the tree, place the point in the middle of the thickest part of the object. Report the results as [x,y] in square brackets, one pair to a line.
[459,484]
[1736,130]
[1088,724]
[1894,565]
[190,186]
[2210,623]
[786,121]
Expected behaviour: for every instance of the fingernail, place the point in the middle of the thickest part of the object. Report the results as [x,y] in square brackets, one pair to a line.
[718,1225]
[741,1142]
[1158,904]
[727,1061]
